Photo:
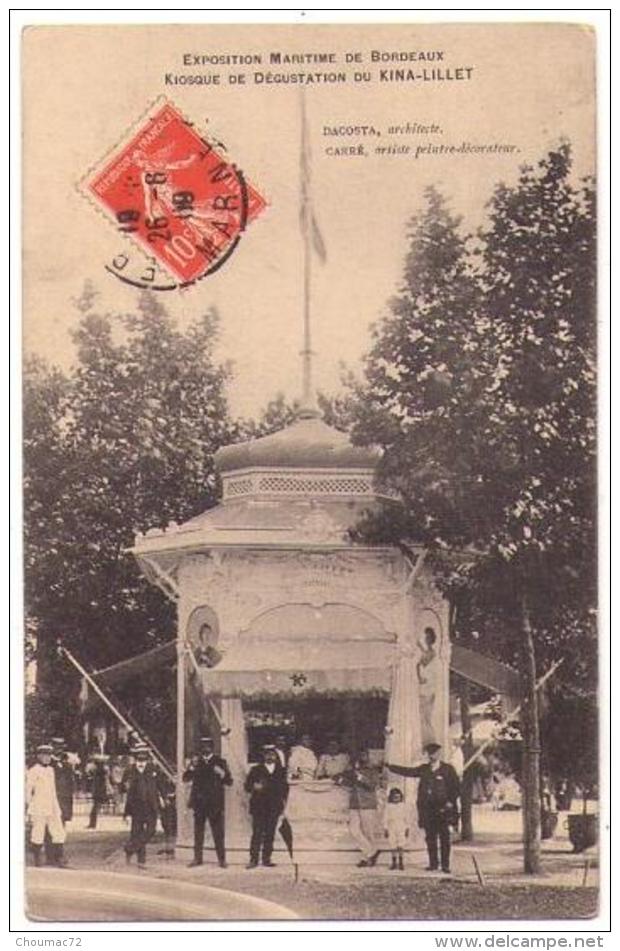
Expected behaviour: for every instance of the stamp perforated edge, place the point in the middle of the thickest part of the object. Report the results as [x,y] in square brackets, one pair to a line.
[126,136]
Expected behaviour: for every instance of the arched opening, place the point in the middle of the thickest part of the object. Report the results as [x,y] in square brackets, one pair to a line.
[322,670]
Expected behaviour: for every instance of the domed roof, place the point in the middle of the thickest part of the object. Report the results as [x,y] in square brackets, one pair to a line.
[307,443]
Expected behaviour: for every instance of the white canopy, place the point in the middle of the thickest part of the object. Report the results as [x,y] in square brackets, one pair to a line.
[289,668]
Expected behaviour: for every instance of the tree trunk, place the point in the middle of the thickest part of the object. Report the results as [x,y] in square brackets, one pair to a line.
[48,664]
[467,786]
[531,749]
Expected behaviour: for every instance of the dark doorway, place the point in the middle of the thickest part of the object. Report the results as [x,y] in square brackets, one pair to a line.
[356,722]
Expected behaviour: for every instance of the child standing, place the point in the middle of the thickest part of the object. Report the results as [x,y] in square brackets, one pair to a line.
[396,827]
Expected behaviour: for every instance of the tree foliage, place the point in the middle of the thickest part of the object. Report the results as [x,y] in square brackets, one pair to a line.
[123,443]
[480,386]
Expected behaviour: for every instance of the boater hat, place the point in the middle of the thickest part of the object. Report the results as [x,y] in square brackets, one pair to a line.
[44,748]
[206,740]
[432,747]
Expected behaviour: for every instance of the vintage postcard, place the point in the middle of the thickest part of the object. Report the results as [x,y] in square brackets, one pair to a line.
[310,473]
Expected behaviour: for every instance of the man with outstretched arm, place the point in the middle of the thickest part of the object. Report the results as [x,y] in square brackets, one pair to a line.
[438,795]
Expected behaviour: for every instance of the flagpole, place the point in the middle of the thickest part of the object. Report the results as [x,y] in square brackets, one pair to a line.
[307,392]
[308,400]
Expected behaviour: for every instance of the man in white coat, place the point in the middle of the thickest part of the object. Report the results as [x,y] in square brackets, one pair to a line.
[43,808]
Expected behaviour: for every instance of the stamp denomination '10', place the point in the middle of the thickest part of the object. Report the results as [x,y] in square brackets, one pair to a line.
[181,199]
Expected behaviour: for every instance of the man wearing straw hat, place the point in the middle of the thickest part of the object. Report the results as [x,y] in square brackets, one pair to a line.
[141,805]
[43,807]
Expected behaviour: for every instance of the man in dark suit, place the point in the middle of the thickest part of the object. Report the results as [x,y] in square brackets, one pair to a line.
[65,778]
[438,795]
[266,783]
[99,773]
[65,787]
[141,805]
[208,774]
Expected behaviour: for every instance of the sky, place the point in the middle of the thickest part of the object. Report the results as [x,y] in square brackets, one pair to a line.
[526,85]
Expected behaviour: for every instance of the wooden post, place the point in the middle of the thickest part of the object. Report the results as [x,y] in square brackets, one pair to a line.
[586,869]
[180,792]
[479,874]
[531,749]
[467,785]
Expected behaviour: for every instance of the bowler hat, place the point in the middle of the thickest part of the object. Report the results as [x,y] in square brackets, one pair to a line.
[432,747]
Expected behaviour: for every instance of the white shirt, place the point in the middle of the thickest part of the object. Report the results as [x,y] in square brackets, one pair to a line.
[302,763]
[41,796]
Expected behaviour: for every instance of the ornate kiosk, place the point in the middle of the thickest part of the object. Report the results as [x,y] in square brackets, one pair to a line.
[281,615]
[282,619]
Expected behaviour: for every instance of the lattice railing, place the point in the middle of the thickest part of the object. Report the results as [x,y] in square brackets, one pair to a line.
[298,484]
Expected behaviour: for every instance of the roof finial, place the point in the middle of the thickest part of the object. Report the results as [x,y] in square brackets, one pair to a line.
[312,241]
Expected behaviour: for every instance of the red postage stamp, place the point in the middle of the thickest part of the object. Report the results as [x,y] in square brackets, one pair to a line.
[177,195]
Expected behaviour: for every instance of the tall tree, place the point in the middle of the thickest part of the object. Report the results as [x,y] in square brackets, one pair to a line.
[123,444]
[481,387]
[539,284]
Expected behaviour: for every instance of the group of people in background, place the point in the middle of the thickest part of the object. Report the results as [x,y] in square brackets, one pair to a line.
[496,782]
[301,762]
